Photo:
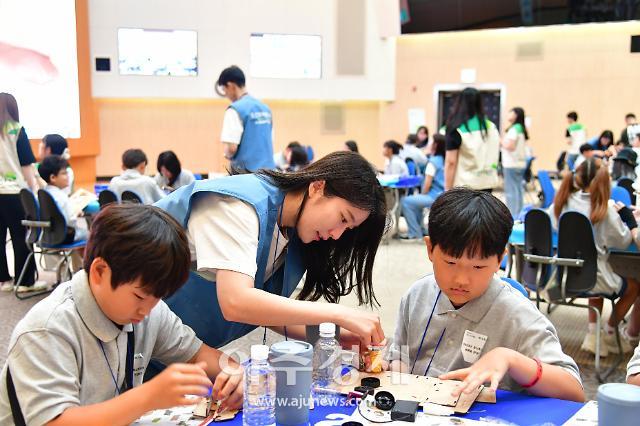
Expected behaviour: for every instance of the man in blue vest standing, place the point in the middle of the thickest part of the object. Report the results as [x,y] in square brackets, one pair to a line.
[247,129]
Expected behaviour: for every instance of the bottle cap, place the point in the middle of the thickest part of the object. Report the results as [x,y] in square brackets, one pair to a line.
[259,352]
[328,328]
[371,382]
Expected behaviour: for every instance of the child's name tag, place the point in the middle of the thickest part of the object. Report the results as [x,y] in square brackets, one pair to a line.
[472,345]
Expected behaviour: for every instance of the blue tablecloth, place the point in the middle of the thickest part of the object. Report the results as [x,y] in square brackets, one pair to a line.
[513,407]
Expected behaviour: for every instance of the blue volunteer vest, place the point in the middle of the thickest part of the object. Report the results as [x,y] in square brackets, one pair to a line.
[437,184]
[196,303]
[256,147]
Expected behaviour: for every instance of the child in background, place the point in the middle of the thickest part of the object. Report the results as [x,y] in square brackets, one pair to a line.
[296,159]
[54,144]
[55,172]
[576,135]
[79,355]
[393,164]
[587,190]
[132,178]
[171,175]
[464,304]
[586,151]
[413,205]
[633,368]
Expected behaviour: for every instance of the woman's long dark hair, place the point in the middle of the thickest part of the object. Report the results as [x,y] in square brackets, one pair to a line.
[8,110]
[468,104]
[519,112]
[170,161]
[337,267]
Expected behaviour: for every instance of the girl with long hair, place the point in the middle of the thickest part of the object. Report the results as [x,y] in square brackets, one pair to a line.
[473,145]
[171,175]
[253,236]
[587,190]
[514,160]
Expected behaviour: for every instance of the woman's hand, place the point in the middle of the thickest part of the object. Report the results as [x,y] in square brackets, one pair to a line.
[366,325]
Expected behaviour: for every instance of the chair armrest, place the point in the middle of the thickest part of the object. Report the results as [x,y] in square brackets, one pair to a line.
[560,261]
[36,224]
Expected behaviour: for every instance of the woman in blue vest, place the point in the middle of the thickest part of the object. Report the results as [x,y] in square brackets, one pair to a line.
[253,236]
[413,205]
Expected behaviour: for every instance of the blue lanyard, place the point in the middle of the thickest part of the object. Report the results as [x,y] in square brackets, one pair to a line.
[424,335]
[273,271]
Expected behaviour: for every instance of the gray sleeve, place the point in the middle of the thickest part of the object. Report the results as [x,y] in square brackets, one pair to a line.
[398,348]
[633,367]
[539,339]
[157,194]
[45,374]
[175,342]
[617,233]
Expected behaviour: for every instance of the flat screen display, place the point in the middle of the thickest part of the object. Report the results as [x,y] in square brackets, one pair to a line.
[157,52]
[286,56]
[39,64]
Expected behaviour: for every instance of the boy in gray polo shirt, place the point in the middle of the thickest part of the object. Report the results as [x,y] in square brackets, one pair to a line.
[75,353]
[464,323]
[633,368]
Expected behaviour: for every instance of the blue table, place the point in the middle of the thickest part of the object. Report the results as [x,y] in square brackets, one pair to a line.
[512,407]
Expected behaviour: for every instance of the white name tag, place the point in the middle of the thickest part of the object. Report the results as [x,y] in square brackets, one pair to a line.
[472,345]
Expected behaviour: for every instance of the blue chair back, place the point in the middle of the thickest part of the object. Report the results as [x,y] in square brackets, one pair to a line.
[516,285]
[310,155]
[50,212]
[131,197]
[576,241]
[411,165]
[538,240]
[197,176]
[107,197]
[627,184]
[618,193]
[548,192]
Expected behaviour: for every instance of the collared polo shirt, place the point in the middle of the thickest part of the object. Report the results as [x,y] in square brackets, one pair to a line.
[56,356]
[502,315]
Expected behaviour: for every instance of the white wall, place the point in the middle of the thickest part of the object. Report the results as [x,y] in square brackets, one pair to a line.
[224,28]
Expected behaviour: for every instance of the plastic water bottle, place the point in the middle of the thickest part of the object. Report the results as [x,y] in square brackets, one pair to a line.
[326,363]
[258,408]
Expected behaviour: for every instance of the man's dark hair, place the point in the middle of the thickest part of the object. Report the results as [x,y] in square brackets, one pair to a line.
[140,242]
[293,144]
[573,115]
[630,115]
[394,146]
[585,147]
[232,74]
[412,139]
[51,165]
[133,157]
[352,145]
[465,221]
[56,143]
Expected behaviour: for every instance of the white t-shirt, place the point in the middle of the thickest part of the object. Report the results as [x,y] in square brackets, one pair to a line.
[396,166]
[223,234]
[515,159]
[430,170]
[232,127]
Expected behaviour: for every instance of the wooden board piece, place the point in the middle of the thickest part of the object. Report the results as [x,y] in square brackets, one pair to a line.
[417,388]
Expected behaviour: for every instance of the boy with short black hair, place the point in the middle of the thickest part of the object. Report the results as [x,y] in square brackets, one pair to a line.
[132,178]
[81,352]
[54,170]
[586,151]
[464,323]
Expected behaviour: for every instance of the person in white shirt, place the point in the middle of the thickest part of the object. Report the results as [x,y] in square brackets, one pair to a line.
[514,160]
[53,169]
[171,175]
[54,144]
[394,164]
[411,150]
[282,159]
[132,178]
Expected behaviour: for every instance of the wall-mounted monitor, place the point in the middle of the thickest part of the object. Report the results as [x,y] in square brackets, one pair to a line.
[157,52]
[285,56]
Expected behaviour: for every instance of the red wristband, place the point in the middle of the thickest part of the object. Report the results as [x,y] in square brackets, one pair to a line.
[538,374]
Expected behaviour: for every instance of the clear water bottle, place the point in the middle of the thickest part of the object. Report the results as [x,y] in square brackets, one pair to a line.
[258,408]
[326,364]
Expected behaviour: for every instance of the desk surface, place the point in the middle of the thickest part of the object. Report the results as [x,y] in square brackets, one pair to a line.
[511,407]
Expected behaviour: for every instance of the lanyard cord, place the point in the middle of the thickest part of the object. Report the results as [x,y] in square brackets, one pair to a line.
[273,270]
[115,382]
[424,335]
